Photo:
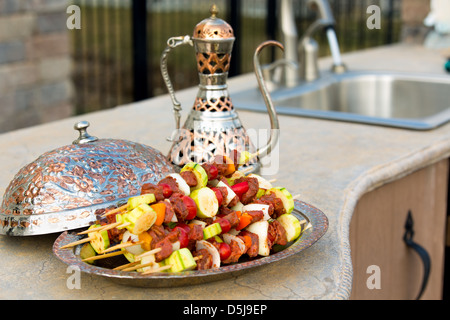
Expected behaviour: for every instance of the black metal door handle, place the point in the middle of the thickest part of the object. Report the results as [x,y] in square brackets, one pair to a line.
[423,254]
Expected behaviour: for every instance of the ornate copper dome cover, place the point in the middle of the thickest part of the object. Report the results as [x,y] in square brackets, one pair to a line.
[213,27]
[64,188]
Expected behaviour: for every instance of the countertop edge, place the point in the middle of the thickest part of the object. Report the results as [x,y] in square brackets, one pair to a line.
[370,180]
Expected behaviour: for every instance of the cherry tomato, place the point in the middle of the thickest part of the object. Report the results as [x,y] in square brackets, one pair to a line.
[224,251]
[224,224]
[183,226]
[213,172]
[167,190]
[240,188]
[183,236]
[219,195]
[191,207]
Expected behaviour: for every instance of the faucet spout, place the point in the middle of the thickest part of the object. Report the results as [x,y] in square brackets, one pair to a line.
[290,75]
[303,52]
[324,10]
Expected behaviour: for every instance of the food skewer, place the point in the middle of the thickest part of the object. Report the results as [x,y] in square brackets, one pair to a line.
[138,266]
[118,209]
[157,269]
[103,256]
[133,268]
[126,265]
[73,244]
[143,211]
[121,246]
[138,258]
[118,225]
[90,230]
[106,227]
[99,229]
[148,253]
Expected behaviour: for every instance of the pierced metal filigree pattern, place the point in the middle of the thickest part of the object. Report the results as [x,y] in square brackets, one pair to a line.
[212,62]
[64,187]
[202,146]
[221,104]
[213,27]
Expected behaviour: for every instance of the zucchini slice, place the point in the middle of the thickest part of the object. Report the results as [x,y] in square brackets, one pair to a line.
[100,239]
[133,202]
[200,174]
[284,196]
[212,230]
[236,175]
[87,251]
[180,260]
[292,226]
[141,218]
[206,201]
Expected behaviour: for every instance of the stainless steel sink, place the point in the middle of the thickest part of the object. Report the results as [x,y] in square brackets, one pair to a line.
[412,101]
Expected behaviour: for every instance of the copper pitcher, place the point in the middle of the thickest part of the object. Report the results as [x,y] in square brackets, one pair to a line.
[213,126]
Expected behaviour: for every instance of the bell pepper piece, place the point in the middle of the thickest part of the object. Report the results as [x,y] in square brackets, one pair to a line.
[160,209]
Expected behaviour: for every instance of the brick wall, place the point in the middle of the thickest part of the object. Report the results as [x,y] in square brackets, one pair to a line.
[35,63]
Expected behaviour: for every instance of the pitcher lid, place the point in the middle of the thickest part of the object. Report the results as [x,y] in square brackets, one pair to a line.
[213,27]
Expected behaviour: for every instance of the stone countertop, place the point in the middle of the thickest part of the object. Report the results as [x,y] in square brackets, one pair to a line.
[330,164]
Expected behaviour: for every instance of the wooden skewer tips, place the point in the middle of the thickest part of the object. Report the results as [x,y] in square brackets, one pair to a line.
[148,253]
[110,212]
[103,256]
[157,269]
[121,246]
[73,244]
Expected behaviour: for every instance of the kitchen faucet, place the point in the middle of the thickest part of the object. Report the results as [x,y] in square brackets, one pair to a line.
[300,63]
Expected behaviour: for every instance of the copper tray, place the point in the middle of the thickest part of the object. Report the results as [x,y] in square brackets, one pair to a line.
[302,210]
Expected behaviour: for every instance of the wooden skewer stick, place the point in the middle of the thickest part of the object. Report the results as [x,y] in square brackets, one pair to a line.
[121,246]
[296,196]
[138,266]
[115,225]
[147,253]
[91,230]
[309,225]
[126,265]
[272,180]
[110,212]
[73,244]
[107,227]
[157,269]
[103,256]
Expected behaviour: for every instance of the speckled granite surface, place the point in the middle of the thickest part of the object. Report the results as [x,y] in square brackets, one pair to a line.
[330,164]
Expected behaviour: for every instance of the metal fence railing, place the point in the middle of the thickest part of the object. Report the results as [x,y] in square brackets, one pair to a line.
[117,51]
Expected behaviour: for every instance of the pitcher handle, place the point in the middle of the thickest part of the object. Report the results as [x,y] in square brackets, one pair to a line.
[171,44]
[274,124]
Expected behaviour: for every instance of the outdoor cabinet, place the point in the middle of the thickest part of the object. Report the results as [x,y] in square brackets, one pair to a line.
[384,267]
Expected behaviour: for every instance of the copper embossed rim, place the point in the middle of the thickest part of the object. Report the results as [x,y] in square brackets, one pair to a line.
[316,217]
